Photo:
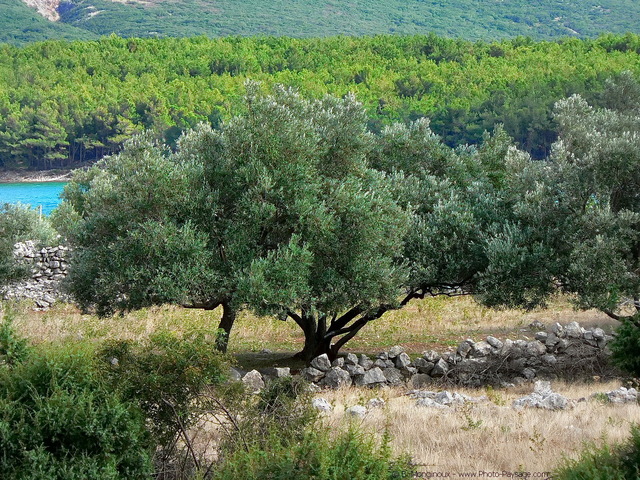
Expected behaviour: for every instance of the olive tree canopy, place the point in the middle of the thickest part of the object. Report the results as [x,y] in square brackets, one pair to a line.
[292,209]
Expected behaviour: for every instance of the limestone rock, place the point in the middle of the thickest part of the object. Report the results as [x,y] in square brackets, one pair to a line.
[402,360]
[336,378]
[356,411]
[371,377]
[321,404]
[253,381]
[376,403]
[423,365]
[312,374]
[351,359]
[395,351]
[321,363]
[428,402]
[420,380]
[440,369]
[365,362]
[393,375]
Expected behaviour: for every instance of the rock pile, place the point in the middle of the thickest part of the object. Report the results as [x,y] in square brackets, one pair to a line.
[48,265]
[621,395]
[543,397]
[568,350]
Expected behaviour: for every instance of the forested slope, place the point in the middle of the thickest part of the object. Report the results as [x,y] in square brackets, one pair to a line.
[469,19]
[64,103]
[20,24]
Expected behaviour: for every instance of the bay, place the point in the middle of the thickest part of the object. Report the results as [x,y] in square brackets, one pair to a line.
[36,194]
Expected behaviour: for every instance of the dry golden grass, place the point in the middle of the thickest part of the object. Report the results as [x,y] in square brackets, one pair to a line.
[429,323]
[488,436]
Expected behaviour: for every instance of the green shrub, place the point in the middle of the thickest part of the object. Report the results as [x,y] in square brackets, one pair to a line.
[58,420]
[278,436]
[318,455]
[13,348]
[625,347]
[165,376]
[621,462]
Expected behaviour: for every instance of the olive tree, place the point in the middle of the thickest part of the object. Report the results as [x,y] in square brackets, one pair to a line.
[277,210]
[578,227]
[292,209]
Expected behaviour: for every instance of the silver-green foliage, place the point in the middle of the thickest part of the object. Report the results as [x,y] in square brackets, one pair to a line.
[278,210]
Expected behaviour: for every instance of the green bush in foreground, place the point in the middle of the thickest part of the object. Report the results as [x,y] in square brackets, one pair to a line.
[621,462]
[58,420]
[281,438]
[164,376]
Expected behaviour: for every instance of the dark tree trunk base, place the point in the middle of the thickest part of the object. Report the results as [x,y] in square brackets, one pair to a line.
[226,324]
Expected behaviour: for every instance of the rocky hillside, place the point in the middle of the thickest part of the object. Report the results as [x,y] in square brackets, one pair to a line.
[470,19]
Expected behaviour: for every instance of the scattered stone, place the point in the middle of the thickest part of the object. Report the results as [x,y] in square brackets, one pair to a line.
[622,395]
[356,411]
[321,404]
[428,402]
[253,381]
[529,373]
[376,403]
[542,397]
[494,342]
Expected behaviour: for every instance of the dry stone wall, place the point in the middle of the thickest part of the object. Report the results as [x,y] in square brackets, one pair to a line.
[49,266]
[568,351]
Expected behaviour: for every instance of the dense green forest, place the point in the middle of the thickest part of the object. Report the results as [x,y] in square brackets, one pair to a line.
[469,19]
[64,103]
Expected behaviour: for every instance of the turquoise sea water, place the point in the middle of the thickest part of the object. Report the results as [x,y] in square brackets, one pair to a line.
[40,194]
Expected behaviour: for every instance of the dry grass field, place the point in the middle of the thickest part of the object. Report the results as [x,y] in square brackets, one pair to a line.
[484,437]
[491,436]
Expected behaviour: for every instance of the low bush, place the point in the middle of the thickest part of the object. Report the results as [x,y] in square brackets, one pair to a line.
[625,347]
[279,437]
[165,376]
[620,462]
[58,420]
